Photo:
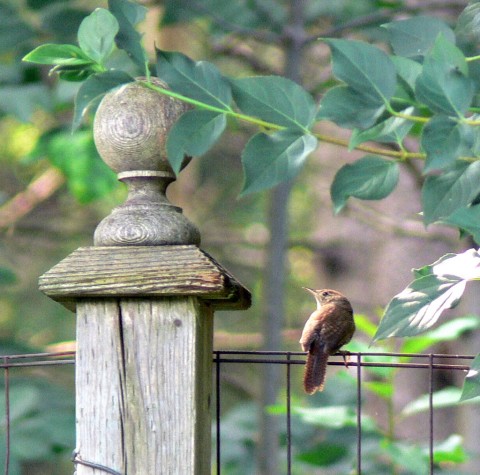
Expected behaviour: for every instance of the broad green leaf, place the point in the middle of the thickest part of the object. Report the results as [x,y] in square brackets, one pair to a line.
[370,178]
[62,55]
[471,385]
[323,454]
[128,14]
[348,109]
[394,130]
[443,84]
[464,265]
[468,23]
[416,36]
[419,306]
[407,70]
[94,88]
[269,159]
[455,188]
[274,99]
[446,397]
[96,35]
[451,450]
[436,288]
[193,134]
[444,140]
[200,80]
[448,331]
[365,68]
[467,219]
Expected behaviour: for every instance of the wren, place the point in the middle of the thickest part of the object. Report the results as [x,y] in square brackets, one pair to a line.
[328,328]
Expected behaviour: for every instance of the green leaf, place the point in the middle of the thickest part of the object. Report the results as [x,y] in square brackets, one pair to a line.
[467,219]
[449,451]
[407,70]
[419,306]
[448,331]
[200,80]
[348,109]
[444,140]
[365,68]
[193,134]
[370,178]
[94,88]
[323,454]
[446,397]
[416,36]
[128,14]
[96,35]
[455,188]
[394,129]
[471,385]
[269,159]
[275,99]
[62,55]
[443,84]
[438,287]
[468,23]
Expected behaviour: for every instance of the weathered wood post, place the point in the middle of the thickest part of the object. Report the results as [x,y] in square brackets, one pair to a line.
[144,298]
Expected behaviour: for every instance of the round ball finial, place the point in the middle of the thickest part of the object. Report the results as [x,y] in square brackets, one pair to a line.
[131,127]
[130,130]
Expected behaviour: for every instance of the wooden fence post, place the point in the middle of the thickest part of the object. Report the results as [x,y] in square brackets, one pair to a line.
[144,298]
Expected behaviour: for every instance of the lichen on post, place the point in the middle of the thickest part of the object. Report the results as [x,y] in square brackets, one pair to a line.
[144,298]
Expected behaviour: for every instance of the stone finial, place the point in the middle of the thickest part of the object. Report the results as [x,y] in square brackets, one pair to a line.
[130,131]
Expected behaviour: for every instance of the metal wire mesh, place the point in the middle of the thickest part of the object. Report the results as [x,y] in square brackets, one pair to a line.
[222,361]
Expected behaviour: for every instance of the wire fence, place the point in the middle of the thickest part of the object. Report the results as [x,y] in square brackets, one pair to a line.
[430,363]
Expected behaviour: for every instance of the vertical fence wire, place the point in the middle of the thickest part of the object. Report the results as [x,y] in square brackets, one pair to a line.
[289,419]
[430,411]
[359,413]
[6,376]
[217,405]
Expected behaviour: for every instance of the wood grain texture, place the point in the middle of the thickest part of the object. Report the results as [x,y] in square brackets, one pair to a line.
[144,385]
[147,271]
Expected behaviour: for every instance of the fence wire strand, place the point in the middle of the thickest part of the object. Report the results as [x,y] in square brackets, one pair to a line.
[223,358]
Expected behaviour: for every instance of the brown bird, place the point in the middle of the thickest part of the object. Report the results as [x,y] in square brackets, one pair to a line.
[328,328]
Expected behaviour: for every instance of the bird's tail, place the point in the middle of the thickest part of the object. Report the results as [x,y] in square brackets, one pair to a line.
[315,370]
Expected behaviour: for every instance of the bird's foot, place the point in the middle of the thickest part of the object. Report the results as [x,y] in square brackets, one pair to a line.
[346,357]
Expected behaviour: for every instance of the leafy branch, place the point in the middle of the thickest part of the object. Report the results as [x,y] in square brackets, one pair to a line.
[426,88]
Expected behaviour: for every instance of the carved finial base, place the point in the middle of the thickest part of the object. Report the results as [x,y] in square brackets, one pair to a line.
[131,127]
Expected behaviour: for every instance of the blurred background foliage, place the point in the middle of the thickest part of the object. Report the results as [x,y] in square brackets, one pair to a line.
[54,190]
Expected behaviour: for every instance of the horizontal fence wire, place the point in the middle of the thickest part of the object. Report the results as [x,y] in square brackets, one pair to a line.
[223,358]
[415,361]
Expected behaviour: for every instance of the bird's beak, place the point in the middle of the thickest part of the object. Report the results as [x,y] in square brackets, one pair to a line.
[309,290]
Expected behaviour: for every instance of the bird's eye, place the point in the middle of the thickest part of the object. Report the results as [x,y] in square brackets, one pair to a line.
[325,293]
